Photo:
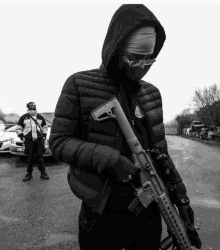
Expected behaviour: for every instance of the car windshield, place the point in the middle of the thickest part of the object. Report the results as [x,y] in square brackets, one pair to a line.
[198,123]
[10,128]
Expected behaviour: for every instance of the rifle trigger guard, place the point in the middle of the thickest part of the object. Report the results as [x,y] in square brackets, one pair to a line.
[146,185]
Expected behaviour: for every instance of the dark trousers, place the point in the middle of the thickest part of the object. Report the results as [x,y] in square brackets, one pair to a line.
[118,231]
[35,151]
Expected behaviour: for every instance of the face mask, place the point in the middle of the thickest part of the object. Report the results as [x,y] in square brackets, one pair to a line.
[32,112]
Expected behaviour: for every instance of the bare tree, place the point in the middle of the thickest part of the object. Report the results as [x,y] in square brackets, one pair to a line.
[207,102]
[186,112]
[206,97]
[12,118]
[2,115]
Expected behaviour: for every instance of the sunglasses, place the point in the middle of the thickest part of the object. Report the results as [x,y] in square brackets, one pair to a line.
[32,108]
[137,63]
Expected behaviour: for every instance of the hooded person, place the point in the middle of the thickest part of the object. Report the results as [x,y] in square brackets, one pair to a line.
[97,153]
[32,129]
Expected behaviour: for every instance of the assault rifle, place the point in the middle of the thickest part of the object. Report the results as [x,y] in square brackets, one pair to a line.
[152,186]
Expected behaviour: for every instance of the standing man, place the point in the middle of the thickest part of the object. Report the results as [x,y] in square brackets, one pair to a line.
[97,151]
[32,129]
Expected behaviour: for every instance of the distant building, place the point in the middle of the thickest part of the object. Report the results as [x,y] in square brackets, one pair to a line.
[171,130]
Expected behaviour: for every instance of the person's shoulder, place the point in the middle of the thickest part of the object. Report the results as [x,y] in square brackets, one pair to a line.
[147,84]
[39,116]
[24,116]
[150,89]
[77,78]
[87,75]
[83,73]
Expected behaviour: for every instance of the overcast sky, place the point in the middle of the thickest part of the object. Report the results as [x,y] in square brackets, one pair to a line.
[42,44]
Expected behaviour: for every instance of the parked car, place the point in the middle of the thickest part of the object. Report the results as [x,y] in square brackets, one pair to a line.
[17,146]
[204,133]
[197,133]
[211,132]
[216,134]
[184,131]
[193,134]
[188,132]
[195,125]
[7,135]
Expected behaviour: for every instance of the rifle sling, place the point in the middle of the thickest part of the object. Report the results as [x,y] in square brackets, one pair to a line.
[37,124]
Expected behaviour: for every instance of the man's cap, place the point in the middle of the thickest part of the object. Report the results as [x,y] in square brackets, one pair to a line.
[31,104]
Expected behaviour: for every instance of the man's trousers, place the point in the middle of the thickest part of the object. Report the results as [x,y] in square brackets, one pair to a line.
[35,151]
[118,231]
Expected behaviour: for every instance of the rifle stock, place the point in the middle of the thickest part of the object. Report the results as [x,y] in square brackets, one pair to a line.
[153,187]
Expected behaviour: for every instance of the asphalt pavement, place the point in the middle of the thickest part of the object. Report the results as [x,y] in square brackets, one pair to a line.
[199,167]
[43,214]
[38,214]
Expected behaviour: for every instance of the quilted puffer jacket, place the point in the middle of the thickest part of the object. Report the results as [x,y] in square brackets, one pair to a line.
[91,147]
[25,125]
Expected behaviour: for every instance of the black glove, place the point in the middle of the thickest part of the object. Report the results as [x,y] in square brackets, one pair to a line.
[125,171]
[181,200]
[187,215]
[21,136]
[44,136]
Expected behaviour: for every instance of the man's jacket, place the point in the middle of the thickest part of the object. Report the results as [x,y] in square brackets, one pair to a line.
[91,147]
[25,125]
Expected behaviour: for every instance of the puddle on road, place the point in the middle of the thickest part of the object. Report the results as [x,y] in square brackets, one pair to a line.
[57,238]
[9,219]
[207,202]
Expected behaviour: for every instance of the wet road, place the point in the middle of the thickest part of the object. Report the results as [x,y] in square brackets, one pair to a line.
[199,166]
[38,214]
[42,214]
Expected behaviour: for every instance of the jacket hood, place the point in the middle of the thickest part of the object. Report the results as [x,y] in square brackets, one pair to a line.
[125,21]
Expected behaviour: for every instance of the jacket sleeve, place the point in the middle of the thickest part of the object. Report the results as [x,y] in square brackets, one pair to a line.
[65,142]
[177,189]
[20,126]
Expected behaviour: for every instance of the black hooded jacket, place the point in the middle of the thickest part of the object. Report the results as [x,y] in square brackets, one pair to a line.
[127,19]
[91,147]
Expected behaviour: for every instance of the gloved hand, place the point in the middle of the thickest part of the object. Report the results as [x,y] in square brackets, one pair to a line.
[181,200]
[21,136]
[187,215]
[125,171]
